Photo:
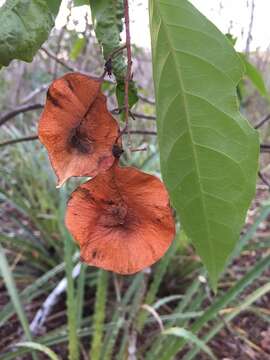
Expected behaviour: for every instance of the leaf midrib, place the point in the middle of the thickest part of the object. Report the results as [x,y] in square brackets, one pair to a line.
[179,75]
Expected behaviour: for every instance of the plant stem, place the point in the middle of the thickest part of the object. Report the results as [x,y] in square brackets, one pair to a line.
[71,304]
[99,315]
[129,63]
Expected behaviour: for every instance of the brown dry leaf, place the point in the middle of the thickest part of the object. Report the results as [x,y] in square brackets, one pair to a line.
[76,127]
[121,219]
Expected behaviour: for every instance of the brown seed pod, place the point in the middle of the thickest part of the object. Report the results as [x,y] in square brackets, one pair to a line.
[121,219]
[76,128]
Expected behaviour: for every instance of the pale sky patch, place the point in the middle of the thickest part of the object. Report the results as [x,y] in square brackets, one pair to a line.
[233,15]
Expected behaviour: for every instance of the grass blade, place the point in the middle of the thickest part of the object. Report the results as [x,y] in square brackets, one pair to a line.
[99,315]
[13,293]
[190,337]
[35,346]
[161,302]
[160,271]
[162,343]
[80,294]
[170,343]
[71,303]
[220,303]
[118,316]
[242,307]
[265,211]
[128,328]
[31,291]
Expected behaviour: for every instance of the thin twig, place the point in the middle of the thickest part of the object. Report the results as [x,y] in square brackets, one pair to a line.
[264,180]
[262,122]
[265,148]
[118,111]
[129,63]
[142,116]
[68,66]
[34,93]
[142,132]
[56,58]
[145,99]
[20,109]
[116,51]
[145,148]
[249,36]
[22,139]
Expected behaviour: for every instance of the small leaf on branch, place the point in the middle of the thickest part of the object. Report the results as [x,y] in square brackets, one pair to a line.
[81,2]
[77,47]
[254,76]
[120,95]
[54,6]
[107,18]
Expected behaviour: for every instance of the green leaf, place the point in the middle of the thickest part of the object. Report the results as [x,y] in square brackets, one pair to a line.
[254,76]
[54,6]
[77,47]
[209,152]
[187,335]
[251,72]
[25,25]
[107,18]
[120,95]
[232,39]
[35,346]
[81,2]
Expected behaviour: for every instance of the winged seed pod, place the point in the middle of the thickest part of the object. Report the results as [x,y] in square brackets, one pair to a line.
[76,128]
[121,220]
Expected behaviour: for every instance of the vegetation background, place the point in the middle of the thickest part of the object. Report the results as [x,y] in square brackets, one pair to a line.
[52,303]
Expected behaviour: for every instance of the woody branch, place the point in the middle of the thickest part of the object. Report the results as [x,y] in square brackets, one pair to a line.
[129,62]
